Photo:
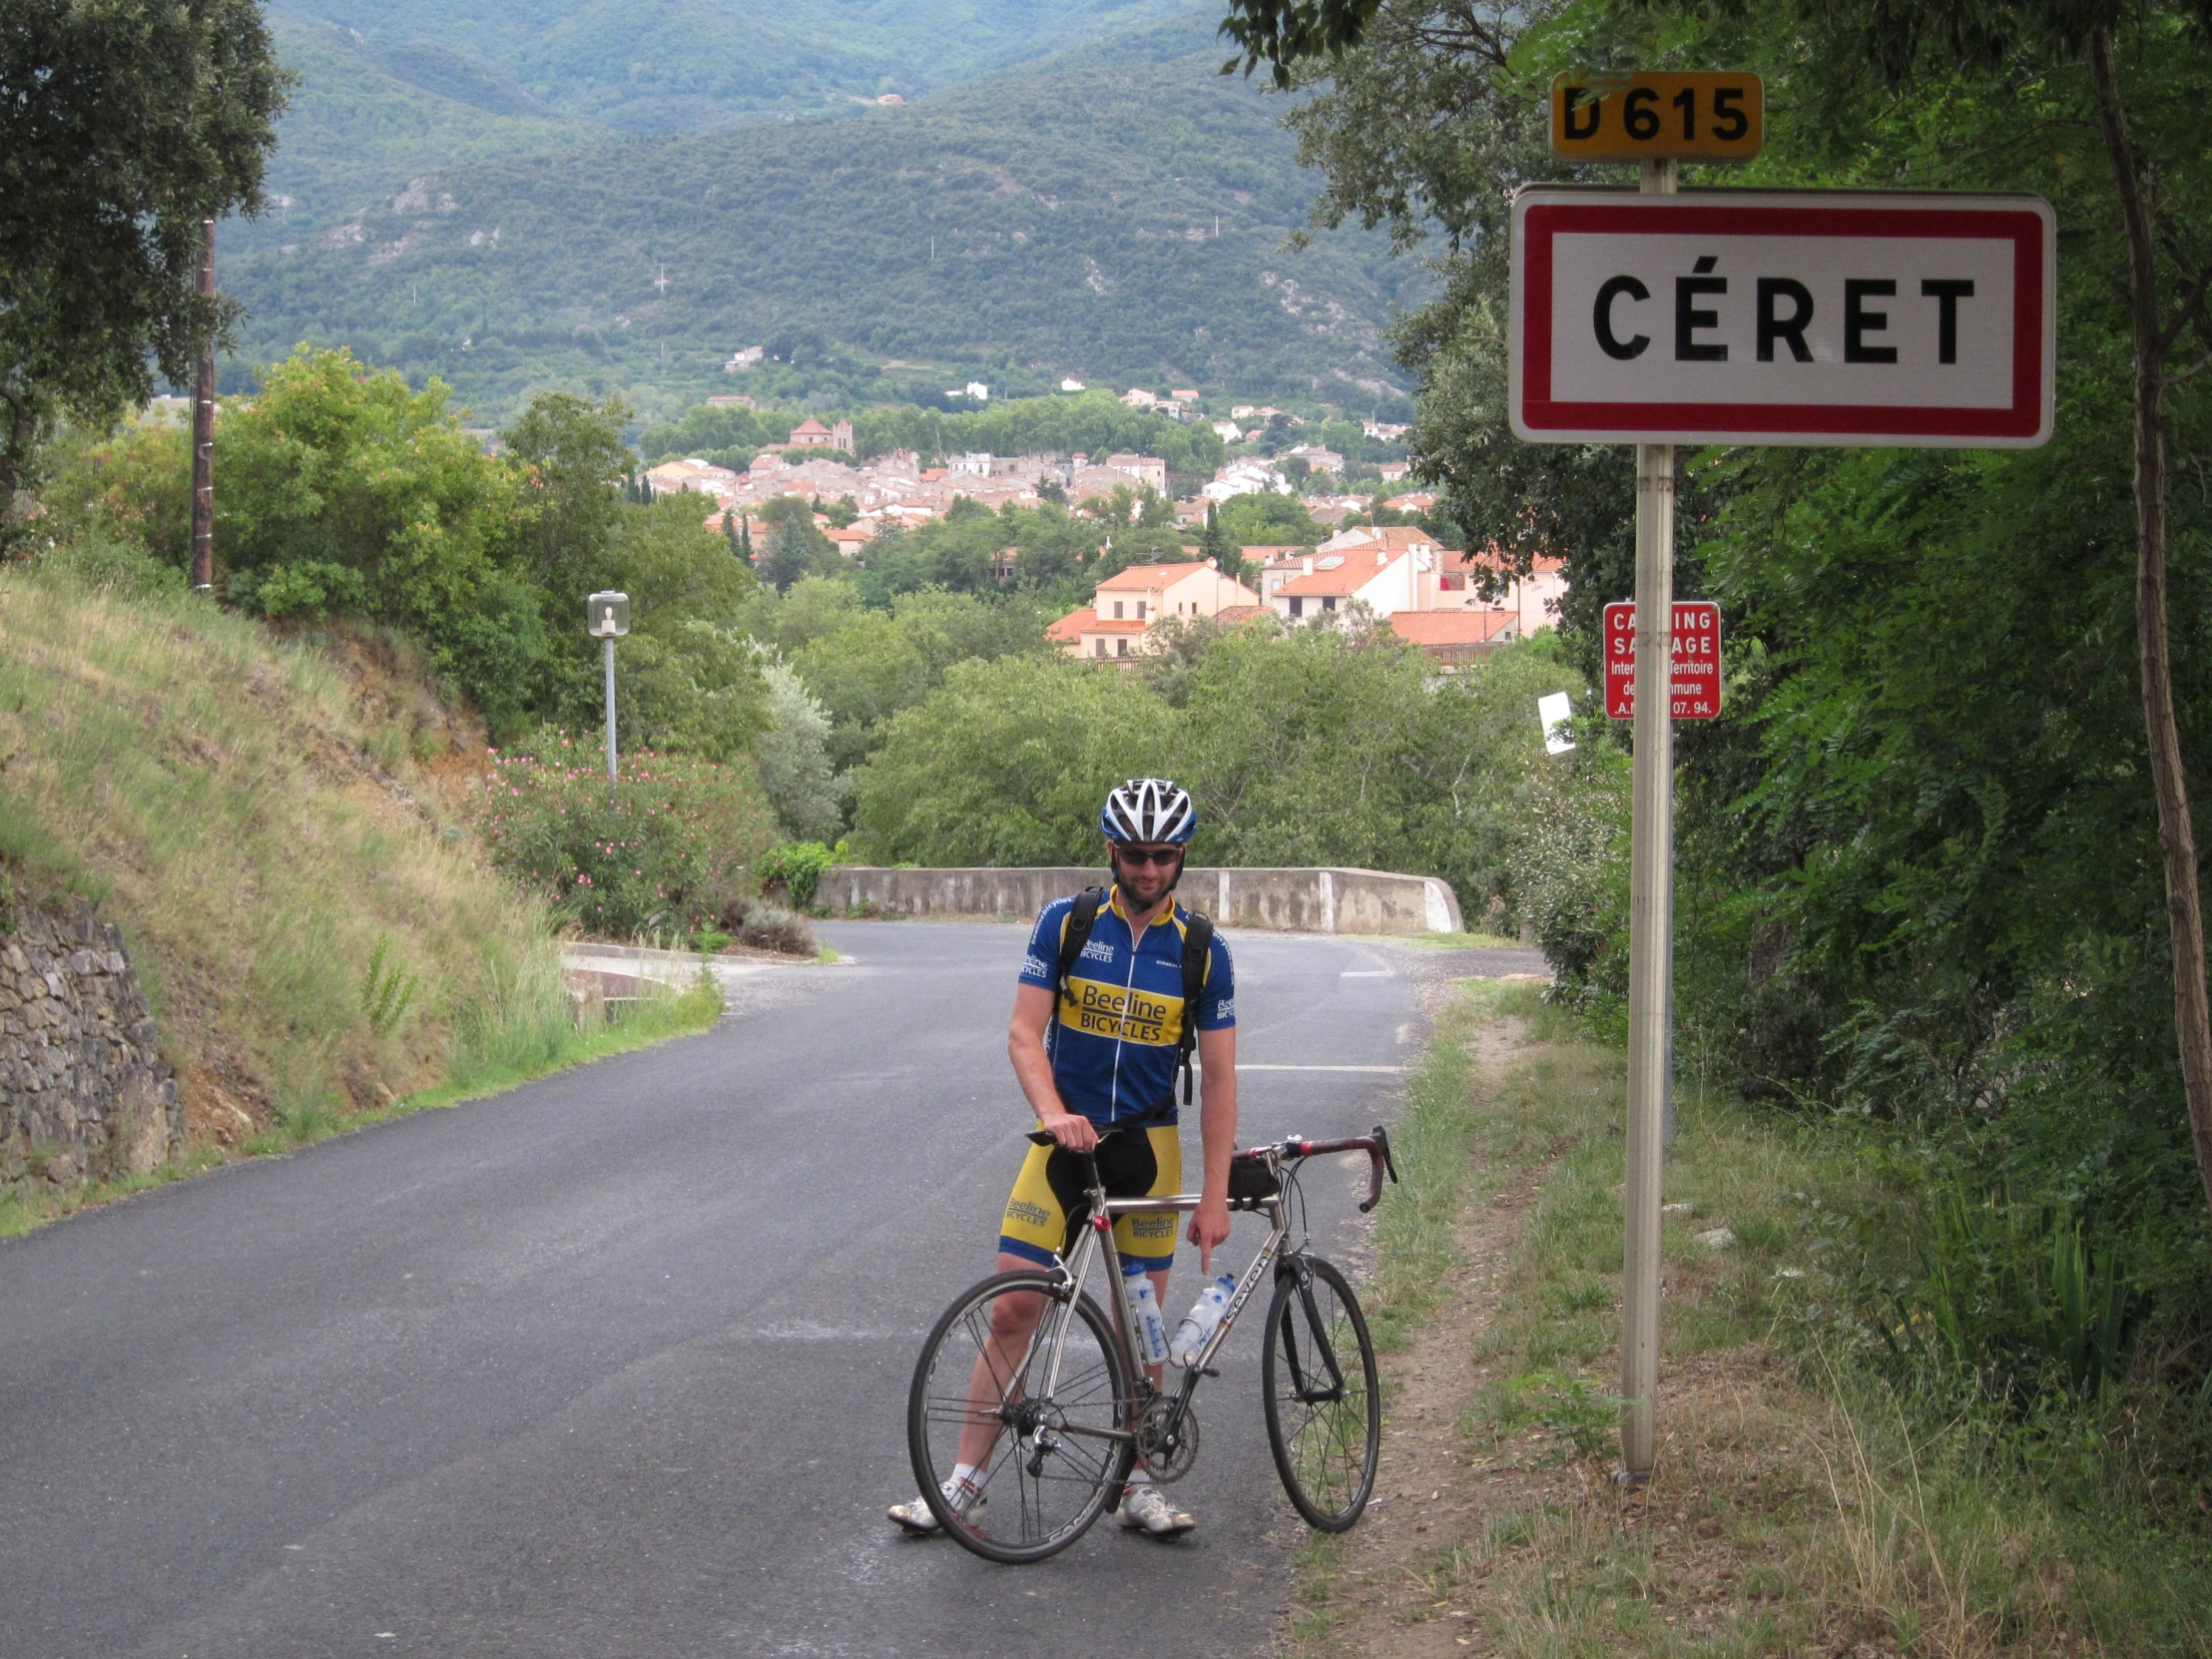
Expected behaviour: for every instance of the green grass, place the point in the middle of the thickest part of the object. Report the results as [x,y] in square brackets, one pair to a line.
[515,1054]
[1800,1504]
[319,936]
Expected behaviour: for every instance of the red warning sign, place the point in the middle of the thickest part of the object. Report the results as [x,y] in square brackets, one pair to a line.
[1697,659]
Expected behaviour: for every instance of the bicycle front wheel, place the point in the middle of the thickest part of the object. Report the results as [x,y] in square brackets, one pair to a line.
[1027,1383]
[1324,1408]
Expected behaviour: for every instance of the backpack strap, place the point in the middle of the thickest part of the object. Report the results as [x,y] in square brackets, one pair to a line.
[1198,945]
[1075,934]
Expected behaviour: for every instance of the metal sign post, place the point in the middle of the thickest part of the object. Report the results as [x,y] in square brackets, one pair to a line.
[1741,316]
[1650,935]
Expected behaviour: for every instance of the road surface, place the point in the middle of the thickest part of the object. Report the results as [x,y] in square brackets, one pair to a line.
[615,1363]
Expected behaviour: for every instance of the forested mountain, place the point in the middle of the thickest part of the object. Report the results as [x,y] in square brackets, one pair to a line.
[671,66]
[1110,219]
[369,112]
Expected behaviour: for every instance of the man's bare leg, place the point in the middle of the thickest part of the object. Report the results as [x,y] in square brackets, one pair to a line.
[1013,1320]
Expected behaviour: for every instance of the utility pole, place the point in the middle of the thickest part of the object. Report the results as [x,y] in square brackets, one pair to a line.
[202,434]
[1650,935]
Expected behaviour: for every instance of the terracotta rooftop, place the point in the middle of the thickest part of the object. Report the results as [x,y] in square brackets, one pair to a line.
[1338,573]
[1070,627]
[1144,577]
[1450,627]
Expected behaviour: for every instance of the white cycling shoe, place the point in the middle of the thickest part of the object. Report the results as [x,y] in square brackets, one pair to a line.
[920,1520]
[1145,1508]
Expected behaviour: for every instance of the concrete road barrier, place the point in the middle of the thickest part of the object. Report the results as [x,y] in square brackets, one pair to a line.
[1292,899]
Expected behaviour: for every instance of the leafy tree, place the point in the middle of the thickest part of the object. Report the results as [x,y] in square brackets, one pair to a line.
[136,483]
[687,677]
[345,479]
[1226,555]
[876,663]
[572,459]
[796,545]
[1008,763]
[1269,520]
[795,760]
[121,129]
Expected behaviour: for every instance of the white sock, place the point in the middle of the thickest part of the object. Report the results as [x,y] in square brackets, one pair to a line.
[963,1475]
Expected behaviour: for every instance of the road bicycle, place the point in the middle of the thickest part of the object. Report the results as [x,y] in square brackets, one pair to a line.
[1054,1404]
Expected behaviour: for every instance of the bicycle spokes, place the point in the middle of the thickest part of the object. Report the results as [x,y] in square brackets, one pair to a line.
[1046,1457]
[1323,1410]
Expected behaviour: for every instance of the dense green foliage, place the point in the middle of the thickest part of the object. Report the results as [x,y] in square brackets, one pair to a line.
[122,128]
[345,492]
[1026,229]
[1301,747]
[369,115]
[1920,868]
[684,66]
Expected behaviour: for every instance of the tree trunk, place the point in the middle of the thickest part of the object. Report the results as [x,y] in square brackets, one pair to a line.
[15,444]
[2176,837]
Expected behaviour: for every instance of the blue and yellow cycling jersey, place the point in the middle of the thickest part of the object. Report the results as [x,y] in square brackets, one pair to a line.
[1120,1021]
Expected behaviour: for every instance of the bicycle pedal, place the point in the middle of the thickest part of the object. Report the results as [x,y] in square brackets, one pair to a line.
[1208,1370]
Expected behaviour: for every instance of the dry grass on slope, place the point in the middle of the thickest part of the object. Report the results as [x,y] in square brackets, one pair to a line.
[265,836]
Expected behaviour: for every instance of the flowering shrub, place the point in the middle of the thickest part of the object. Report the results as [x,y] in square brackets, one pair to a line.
[666,849]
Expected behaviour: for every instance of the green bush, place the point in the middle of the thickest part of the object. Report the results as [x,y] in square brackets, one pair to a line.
[797,867]
[667,849]
[2012,1295]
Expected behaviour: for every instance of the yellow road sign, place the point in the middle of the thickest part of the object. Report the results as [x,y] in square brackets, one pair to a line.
[1707,116]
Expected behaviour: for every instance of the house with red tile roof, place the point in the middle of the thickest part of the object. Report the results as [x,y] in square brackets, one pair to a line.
[1132,602]
[1391,569]
[1454,638]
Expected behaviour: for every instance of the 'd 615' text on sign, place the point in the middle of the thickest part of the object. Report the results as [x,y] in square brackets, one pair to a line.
[1700,115]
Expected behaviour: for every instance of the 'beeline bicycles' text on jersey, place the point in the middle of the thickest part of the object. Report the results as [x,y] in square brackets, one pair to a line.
[1117,1030]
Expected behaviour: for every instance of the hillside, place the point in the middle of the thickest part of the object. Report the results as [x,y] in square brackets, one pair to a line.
[272,824]
[367,112]
[657,67]
[1118,221]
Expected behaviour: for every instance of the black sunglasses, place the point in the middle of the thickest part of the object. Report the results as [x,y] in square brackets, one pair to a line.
[1147,855]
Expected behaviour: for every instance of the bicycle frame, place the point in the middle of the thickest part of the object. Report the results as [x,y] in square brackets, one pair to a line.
[1097,1244]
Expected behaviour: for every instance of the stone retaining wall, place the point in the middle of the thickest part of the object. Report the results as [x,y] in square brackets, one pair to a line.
[1304,900]
[83,1090]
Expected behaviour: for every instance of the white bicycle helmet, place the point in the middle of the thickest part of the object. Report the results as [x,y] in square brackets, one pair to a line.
[1149,810]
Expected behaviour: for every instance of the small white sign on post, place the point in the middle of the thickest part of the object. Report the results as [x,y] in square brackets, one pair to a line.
[1783,318]
[1556,713]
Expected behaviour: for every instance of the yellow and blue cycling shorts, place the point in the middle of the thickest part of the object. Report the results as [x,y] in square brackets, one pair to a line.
[1048,1201]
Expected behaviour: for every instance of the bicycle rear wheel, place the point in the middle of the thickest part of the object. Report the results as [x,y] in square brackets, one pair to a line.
[1030,1381]
[1324,1408]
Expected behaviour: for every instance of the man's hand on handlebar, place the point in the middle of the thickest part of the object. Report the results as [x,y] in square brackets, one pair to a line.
[1072,1130]
[1209,1227]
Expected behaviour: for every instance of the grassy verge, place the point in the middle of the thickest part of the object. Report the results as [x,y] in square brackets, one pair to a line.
[1801,1506]
[514,1053]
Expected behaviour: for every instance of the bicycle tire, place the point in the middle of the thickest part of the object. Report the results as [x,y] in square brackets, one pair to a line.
[1325,1417]
[1064,1470]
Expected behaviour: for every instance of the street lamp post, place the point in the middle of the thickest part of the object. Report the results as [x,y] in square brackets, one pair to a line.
[607,617]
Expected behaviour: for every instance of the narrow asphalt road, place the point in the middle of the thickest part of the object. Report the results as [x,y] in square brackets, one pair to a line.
[615,1363]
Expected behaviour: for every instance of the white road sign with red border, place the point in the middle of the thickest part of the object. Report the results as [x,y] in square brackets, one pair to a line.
[1783,318]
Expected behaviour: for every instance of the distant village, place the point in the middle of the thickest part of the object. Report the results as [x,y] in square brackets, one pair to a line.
[1452,604]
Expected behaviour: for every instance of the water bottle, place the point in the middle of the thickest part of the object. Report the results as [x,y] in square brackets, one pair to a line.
[1151,1329]
[1200,1323]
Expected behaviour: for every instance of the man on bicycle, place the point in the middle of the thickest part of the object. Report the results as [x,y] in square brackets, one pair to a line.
[1097,1057]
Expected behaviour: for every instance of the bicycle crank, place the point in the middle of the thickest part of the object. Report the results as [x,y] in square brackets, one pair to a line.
[1167,1439]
